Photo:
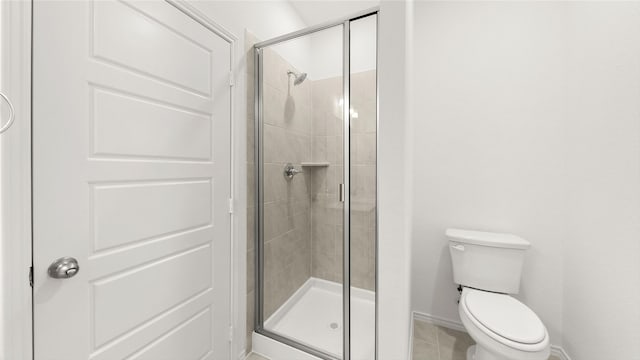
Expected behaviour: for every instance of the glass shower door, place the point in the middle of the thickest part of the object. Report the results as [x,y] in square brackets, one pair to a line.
[363,194]
[316,148]
[301,172]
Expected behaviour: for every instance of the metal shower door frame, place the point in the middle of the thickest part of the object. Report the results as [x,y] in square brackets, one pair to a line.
[259,186]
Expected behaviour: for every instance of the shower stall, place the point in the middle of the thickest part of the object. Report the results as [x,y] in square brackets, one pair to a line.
[315,189]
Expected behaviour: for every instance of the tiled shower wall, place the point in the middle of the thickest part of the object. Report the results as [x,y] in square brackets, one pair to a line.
[303,216]
[326,208]
[327,220]
[363,179]
[287,212]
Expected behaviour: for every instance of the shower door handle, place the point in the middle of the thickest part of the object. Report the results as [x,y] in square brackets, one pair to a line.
[341,192]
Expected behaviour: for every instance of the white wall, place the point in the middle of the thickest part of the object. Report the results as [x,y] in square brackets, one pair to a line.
[527,120]
[488,135]
[602,249]
[326,47]
[264,19]
[394,276]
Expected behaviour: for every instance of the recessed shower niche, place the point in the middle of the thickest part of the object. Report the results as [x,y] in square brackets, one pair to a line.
[315,175]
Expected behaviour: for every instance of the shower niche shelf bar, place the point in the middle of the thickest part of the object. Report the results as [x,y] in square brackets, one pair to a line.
[315,164]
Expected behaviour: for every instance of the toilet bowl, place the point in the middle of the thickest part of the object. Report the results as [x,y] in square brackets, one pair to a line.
[502,327]
[488,267]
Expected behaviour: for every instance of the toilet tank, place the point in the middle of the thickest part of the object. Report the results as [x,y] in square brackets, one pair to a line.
[487,261]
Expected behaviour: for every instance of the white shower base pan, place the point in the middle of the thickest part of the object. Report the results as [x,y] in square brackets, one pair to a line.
[313,316]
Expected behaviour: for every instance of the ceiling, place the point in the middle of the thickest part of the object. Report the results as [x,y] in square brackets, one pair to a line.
[316,12]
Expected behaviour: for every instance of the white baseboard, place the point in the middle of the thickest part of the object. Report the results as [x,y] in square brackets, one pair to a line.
[556,350]
[559,352]
[272,349]
[436,320]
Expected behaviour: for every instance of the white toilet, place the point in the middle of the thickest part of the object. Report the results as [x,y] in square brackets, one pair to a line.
[488,267]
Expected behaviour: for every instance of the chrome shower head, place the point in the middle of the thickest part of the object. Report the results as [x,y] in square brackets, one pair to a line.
[298,78]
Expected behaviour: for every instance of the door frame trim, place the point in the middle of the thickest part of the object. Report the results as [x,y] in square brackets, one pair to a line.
[15,178]
[236,193]
[15,172]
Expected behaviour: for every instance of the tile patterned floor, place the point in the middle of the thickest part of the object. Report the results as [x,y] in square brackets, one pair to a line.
[432,342]
[254,356]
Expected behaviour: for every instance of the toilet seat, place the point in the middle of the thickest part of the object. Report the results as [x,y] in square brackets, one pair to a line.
[504,319]
[505,316]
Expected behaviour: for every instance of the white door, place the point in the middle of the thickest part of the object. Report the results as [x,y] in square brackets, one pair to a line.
[131,164]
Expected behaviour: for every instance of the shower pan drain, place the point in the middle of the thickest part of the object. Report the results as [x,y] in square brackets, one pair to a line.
[333,325]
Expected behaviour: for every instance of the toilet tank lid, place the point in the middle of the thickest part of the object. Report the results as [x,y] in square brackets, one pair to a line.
[483,238]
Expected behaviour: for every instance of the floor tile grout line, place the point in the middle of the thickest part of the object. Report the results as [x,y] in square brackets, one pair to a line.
[438,344]
[437,341]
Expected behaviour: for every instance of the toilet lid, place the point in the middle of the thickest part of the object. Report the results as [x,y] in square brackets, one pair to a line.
[505,316]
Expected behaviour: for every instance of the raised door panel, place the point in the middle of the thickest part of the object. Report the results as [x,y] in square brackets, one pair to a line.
[128,125]
[132,38]
[131,162]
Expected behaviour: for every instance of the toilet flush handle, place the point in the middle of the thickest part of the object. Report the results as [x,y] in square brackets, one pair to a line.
[458,247]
